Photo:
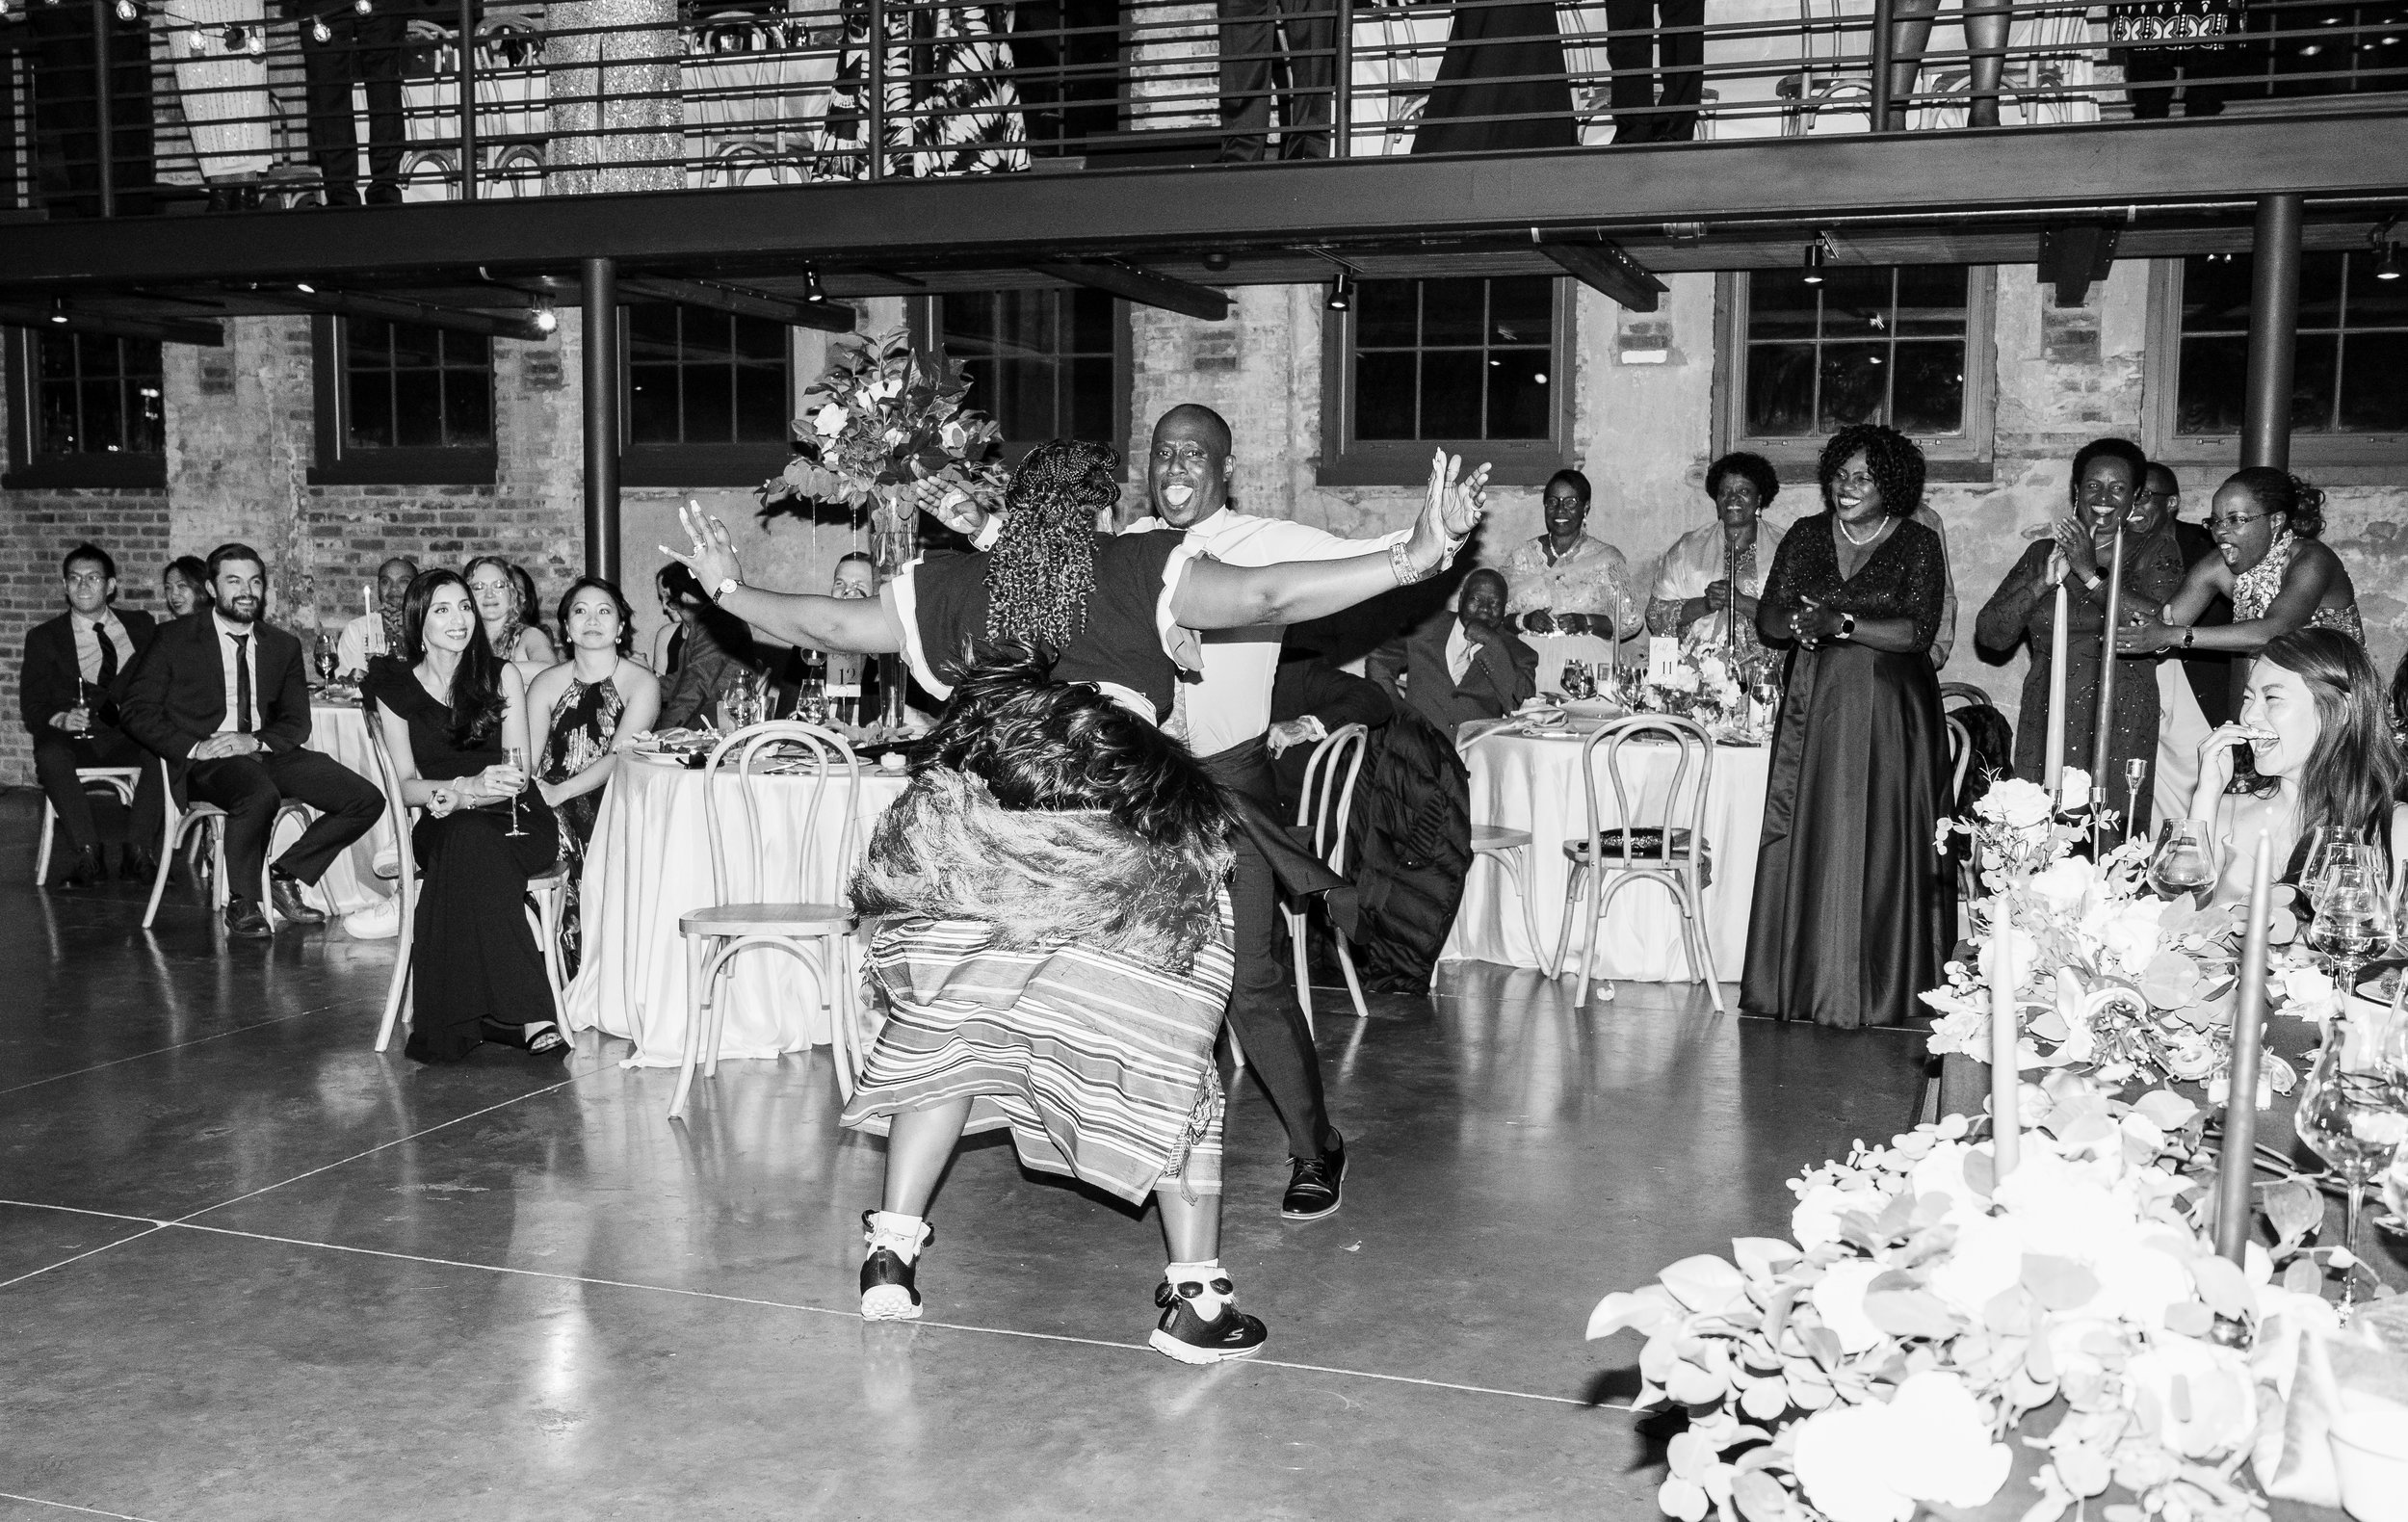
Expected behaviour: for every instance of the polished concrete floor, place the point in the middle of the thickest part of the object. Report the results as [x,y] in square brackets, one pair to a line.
[251,1269]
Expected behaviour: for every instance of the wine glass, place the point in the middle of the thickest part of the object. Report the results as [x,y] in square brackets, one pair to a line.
[2324,842]
[2350,1114]
[324,658]
[2353,917]
[811,702]
[2181,863]
[1577,681]
[515,755]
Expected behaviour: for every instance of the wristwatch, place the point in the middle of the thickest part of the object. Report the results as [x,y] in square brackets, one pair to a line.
[719,593]
[1847,627]
[2093,582]
[2190,637]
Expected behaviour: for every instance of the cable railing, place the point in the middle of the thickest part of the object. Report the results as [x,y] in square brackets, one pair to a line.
[125,107]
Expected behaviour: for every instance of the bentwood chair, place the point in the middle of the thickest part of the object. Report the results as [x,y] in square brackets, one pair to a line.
[1664,844]
[819,935]
[195,827]
[119,779]
[548,899]
[1510,850]
[1325,806]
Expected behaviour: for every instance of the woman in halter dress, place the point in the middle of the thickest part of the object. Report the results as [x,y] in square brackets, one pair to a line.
[1046,890]
[2279,575]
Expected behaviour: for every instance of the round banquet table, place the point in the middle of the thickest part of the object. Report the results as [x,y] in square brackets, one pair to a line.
[650,862]
[351,882]
[1519,782]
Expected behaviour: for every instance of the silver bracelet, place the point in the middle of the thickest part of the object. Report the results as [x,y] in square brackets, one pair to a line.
[1401,564]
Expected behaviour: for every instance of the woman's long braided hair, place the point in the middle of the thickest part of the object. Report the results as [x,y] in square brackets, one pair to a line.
[1041,571]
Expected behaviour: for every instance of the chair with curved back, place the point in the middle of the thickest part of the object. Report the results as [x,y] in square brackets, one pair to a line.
[715,935]
[196,826]
[1325,806]
[1510,850]
[119,779]
[547,895]
[1664,844]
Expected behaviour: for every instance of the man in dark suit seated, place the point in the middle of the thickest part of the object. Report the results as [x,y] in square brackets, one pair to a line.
[222,697]
[1460,665]
[75,671]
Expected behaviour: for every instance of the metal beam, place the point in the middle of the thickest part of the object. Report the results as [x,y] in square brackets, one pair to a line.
[829,317]
[1144,287]
[601,411]
[402,309]
[2273,333]
[159,330]
[1024,219]
[2074,256]
[1601,264]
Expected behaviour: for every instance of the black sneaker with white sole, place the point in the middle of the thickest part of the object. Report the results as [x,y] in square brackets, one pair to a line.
[1189,1338]
[1314,1188]
[890,1290]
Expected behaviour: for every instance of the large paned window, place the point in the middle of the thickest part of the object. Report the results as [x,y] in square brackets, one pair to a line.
[1476,364]
[709,397]
[401,404]
[86,410]
[1907,346]
[1044,364]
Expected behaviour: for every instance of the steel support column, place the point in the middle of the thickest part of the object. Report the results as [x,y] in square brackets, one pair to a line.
[2273,332]
[601,398]
[467,99]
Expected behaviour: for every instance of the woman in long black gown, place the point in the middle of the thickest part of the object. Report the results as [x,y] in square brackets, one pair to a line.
[1848,928]
[455,719]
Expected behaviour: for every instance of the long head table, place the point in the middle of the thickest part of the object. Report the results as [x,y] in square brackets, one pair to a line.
[1523,782]
[650,862]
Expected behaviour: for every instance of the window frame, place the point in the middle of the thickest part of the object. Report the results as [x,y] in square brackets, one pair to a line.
[2337,459]
[416,465]
[1346,460]
[921,318]
[681,466]
[1969,455]
[26,468]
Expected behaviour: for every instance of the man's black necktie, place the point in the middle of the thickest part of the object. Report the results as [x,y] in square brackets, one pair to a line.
[242,684]
[108,657]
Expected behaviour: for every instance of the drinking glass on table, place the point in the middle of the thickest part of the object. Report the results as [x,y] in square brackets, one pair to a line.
[2351,1114]
[2324,843]
[2353,916]
[2180,864]
[324,658]
[516,756]
[1577,681]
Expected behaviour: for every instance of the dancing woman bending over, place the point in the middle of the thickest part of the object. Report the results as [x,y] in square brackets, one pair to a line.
[1049,888]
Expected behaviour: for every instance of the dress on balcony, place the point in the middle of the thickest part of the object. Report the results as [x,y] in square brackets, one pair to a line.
[950,105]
[222,85]
[1501,60]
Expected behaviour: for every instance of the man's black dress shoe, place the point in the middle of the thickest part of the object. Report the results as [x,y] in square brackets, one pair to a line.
[86,871]
[285,894]
[243,918]
[136,865]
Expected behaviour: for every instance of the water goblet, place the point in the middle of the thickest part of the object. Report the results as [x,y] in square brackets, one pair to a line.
[1577,682]
[2351,1114]
[2180,864]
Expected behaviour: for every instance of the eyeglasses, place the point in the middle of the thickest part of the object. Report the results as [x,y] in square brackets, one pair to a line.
[1565,502]
[2237,520]
[87,579]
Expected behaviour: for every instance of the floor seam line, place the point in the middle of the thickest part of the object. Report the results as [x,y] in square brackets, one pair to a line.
[851,1315]
[155,1229]
[69,1506]
[161,1051]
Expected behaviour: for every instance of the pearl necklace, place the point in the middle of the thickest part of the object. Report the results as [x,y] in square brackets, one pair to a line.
[1853,540]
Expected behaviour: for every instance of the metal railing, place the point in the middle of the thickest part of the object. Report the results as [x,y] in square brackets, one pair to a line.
[214,102]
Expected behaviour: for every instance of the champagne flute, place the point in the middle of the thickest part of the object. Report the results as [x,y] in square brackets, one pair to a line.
[515,755]
[2181,863]
[2350,1114]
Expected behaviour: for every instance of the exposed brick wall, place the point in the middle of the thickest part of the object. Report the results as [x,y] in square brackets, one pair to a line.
[354,529]
[35,529]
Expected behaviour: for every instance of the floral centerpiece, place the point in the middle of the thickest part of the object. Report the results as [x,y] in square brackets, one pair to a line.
[1885,1358]
[883,419]
[1699,685]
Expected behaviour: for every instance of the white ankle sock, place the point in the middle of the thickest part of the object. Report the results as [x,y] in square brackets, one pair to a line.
[1207,1300]
[902,1235]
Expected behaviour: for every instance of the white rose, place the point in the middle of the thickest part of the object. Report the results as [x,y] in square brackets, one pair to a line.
[2132,935]
[2217,1410]
[2308,993]
[2073,789]
[2065,884]
[2016,802]
[1816,1222]
[828,421]
[2140,1280]
[1838,1298]
[954,436]
[1941,1450]
[884,389]
[2025,949]
[1841,1457]
[1986,1262]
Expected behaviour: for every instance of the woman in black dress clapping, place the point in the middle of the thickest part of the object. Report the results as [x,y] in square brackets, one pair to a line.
[456,720]
[1848,921]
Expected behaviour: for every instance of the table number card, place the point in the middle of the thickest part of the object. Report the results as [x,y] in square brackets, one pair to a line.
[1663,655]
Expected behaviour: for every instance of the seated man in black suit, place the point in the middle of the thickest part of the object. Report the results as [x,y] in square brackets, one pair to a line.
[76,668]
[1461,665]
[221,696]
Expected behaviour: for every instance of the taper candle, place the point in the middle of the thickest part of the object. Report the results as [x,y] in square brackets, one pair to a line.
[2102,724]
[2237,1168]
[2005,1113]
[2052,763]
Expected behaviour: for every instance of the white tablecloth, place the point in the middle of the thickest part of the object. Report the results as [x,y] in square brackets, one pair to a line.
[650,862]
[1522,783]
[351,883]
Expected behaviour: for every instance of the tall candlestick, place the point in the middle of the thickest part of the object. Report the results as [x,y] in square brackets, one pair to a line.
[2237,1170]
[2006,1140]
[2053,764]
[2103,726]
[368,599]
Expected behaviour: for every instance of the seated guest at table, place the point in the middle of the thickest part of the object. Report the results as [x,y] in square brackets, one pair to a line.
[709,654]
[505,602]
[592,705]
[226,698]
[2108,473]
[184,586]
[1850,918]
[378,633]
[1461,665]
[1566,582]
[1311,700]
[2194,686]
[2270,562]
[2313,718]
[75,671]
[1695,596]
[856,577]
[455,717]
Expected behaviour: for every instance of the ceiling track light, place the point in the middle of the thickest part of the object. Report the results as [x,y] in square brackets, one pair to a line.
[58,310]
[1341,292]
[540,312]
[2387,263]
[812,290]
[1817,254]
